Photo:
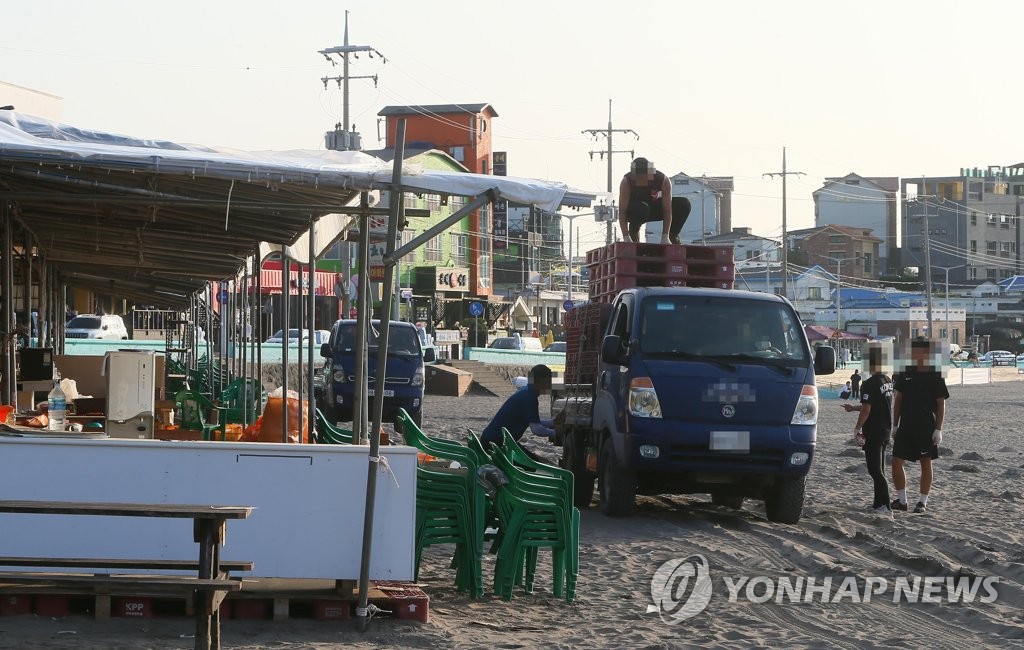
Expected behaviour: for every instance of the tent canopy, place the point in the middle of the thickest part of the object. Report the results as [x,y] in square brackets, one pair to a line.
[155,220]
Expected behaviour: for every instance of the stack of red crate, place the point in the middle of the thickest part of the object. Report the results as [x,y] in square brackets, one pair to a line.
[625,265]
[584,325]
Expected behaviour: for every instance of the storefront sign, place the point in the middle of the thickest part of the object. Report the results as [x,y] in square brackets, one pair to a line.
[451,279]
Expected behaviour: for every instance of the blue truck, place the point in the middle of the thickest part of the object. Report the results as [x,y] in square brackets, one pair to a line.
[696,391]
[403,388]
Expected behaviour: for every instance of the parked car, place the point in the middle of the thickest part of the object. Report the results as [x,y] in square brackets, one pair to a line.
[319,336]
[530,343]
[96,326]
[557,346]
[999,358]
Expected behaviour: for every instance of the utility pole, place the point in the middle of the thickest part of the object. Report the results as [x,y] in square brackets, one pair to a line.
[342,139]
[607,133]
[922,196]
[785,243]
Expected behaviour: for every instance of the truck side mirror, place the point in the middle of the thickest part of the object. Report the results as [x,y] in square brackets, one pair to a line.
[429,356]
[325,350]
[611,350]
[824,360]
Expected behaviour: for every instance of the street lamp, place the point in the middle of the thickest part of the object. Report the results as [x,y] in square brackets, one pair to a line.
[839,283]
[570,217]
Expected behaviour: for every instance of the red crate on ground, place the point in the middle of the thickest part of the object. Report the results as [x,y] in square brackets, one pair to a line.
[405,601]
[332,610]
[133,607]
[15,605]
[259,608]
[52,606]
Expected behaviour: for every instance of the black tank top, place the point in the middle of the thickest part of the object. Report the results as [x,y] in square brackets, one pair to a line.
[649,192]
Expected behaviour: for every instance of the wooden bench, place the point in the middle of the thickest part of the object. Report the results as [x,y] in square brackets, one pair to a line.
[207,588]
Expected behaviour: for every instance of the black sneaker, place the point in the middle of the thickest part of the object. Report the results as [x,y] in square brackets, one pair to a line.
[674,239]
[898,505]
[919,508]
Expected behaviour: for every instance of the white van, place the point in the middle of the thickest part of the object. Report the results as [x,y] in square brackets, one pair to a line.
[93,326]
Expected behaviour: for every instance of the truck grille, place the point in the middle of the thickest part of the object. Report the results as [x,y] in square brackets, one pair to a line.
[387,380]
[700,454]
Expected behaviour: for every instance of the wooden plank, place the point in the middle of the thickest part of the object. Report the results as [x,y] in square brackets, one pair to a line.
[188,511]
[111,563]
[104,581]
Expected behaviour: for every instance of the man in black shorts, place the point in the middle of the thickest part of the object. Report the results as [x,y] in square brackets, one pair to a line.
[919,407]
[874,424]
[645,194]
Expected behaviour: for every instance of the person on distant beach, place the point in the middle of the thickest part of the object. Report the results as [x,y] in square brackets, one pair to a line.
[874,424]
[521,412]
[645,194]
[919,407]
[846,391]
[855,382]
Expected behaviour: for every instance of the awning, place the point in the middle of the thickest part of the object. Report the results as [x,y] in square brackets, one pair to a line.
[270,280]
[155,220]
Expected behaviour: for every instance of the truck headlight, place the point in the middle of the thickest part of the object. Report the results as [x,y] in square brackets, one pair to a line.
[643,399]
[806,407]
[340,376]
[417,378]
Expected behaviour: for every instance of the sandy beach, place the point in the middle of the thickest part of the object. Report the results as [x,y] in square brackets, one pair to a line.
[972,529]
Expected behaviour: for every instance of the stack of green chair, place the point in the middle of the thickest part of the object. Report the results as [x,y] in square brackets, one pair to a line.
[535,510]
[243,400]
[450,506]
[327,433]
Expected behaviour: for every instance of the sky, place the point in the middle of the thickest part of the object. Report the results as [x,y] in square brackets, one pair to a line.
[877,88]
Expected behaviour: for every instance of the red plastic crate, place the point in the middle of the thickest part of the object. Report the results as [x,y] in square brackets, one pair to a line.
[258,608]
[638,249]
[405,601]
[709,253]
[332,610]
[52,606]
[133,607]
[19,605]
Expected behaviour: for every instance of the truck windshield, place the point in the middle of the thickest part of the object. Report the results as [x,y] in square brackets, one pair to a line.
[401,340]
[724,328]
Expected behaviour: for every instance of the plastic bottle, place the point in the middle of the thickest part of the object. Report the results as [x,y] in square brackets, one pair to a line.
[57,407]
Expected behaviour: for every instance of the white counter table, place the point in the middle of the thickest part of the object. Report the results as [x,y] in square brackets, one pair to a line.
[309,501]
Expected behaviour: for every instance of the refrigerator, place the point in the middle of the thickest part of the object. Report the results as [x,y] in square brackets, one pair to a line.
[131,377]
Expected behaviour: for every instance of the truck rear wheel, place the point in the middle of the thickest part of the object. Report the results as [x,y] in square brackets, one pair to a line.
[785,502]
[727,500]
[574,460]
[618,485]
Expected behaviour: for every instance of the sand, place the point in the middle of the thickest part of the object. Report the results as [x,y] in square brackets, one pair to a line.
[973,528]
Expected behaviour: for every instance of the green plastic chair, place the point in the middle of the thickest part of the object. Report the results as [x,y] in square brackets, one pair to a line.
[327,433]
[194,408]
[535,510]
[439,497]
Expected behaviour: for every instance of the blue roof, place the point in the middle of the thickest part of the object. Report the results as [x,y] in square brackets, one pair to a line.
[1013,283]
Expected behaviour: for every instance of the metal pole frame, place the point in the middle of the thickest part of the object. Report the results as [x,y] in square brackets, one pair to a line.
[396,205]
[311,307]
[285,329]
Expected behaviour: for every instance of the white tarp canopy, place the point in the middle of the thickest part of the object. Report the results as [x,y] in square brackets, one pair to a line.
[154,220]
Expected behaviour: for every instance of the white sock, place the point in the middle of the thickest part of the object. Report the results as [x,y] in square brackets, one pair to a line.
[924,499]
[901,495]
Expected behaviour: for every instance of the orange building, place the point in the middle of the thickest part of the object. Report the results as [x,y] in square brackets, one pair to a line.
[464,132]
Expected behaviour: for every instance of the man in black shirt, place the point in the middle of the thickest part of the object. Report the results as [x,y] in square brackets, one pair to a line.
[645,194]
[874,424]
[918,410]
[855,380]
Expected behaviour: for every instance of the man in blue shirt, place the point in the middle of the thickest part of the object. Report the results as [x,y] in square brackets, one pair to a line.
[521,411]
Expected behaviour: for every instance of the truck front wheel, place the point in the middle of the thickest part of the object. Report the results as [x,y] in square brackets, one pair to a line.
[618,485]
[574,460]
[785,502]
